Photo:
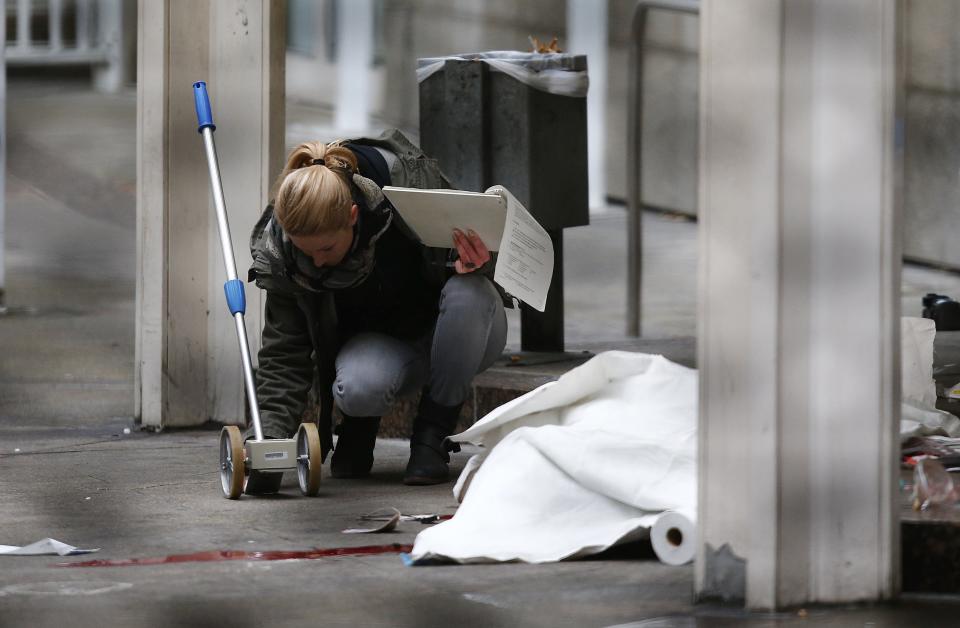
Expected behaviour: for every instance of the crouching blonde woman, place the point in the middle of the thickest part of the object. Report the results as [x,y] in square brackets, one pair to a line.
[354,295]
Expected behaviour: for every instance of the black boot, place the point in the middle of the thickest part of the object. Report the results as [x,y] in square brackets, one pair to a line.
[429,446]
[353,455]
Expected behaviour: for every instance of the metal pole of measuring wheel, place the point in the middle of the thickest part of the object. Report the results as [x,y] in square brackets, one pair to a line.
[236,298]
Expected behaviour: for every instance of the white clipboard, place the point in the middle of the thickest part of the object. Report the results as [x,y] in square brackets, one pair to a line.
[524,265]
[434,214]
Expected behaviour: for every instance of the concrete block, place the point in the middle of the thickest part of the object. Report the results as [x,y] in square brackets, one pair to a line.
[486,127]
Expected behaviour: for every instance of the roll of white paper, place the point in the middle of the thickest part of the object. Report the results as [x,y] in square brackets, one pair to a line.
[674,536]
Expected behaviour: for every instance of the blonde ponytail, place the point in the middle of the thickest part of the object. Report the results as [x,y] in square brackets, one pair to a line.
[312,194]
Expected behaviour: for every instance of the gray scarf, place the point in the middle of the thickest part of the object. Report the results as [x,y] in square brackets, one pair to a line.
[356,265]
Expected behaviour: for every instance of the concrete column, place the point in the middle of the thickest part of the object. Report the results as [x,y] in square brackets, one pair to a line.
[799,309]
[3,167]
[354,53]
[109,77]
[587,32]
[188,368]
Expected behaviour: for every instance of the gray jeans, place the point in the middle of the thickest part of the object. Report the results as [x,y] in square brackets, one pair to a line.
[373,370]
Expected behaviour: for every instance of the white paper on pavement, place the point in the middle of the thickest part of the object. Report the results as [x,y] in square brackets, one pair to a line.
[525,263]
[44,547]
[578,465]
[389,525]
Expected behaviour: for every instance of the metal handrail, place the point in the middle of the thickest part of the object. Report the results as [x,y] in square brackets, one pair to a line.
[635,146]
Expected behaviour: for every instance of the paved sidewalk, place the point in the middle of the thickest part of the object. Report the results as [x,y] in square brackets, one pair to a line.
[153,496]
[138,496]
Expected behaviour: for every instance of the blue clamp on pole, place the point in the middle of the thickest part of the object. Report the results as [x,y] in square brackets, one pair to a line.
[202,102]
[236,298]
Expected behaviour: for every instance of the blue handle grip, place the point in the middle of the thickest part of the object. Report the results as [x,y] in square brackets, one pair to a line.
[202,101]
[236,298]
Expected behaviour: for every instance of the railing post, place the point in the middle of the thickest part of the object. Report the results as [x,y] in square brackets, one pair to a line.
[634,151]
[23,24]
[55,24]
[108,77]
[83,24]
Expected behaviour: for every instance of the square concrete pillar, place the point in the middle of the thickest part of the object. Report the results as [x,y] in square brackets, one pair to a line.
[188,360]
[799,296]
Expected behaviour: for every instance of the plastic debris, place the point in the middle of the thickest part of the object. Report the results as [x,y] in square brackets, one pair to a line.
[387,514]
[932,485]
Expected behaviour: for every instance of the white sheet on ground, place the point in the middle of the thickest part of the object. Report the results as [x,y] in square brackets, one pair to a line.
[594,458]
[577,465]
[919,415]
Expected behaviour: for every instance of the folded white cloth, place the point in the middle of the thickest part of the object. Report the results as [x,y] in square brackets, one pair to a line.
[577,465]
[919,415]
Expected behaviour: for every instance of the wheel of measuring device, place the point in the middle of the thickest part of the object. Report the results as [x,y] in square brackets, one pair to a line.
[232,462]
[308,459]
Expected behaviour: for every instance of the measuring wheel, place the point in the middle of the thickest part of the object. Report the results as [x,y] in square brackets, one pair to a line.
[308,459]
[232,457]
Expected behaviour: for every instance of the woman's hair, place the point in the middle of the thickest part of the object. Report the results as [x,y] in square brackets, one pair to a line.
[312,194]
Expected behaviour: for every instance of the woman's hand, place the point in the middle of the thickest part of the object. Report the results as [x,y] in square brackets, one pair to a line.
[473,252]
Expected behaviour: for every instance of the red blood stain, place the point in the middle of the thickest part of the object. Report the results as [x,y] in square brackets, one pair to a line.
[216,556]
